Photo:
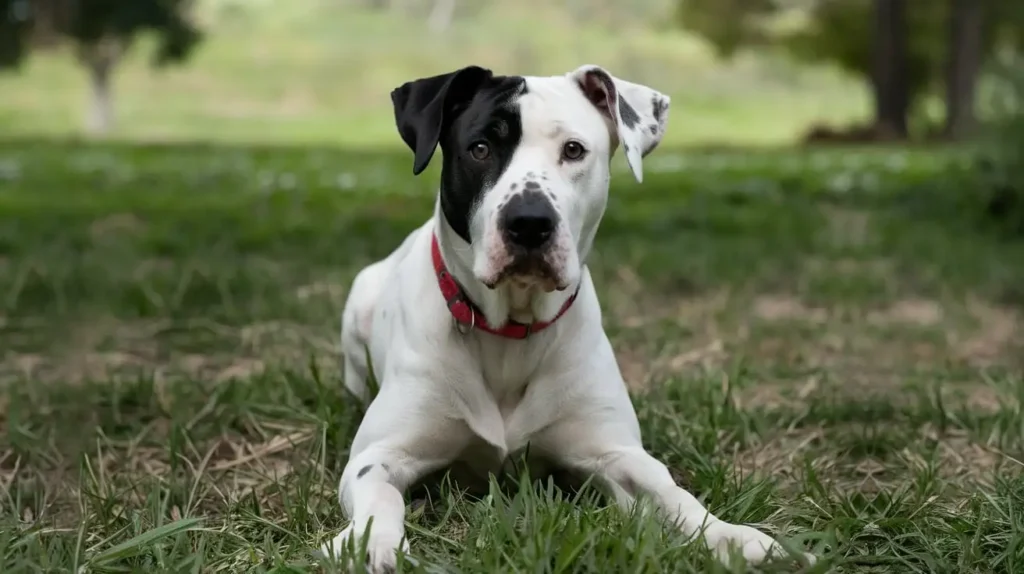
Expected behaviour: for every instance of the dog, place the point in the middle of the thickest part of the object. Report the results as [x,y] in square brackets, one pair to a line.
[483,327]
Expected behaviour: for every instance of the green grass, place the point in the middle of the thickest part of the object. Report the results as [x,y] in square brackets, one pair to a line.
[819,343]
[319,71]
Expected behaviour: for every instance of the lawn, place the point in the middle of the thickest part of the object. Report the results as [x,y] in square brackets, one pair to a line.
[819,342]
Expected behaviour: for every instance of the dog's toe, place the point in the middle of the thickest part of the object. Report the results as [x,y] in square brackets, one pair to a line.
[381,549]
[754,545]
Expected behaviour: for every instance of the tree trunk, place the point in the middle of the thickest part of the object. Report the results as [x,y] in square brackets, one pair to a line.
[100,117]
[99,61]
[441,15]
[966,20]
[892,100]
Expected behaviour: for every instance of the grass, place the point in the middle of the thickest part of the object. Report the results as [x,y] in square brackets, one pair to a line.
[816,345]
[320,71]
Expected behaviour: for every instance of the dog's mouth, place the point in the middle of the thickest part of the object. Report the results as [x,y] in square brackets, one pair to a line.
[529,271]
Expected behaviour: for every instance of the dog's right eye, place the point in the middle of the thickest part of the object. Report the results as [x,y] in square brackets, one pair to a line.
[480,151]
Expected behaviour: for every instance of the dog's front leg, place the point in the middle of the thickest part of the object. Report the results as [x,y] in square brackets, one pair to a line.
[396,445]
[632,472]
[610,450]
[371,488]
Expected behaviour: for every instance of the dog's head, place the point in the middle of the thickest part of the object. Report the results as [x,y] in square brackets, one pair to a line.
[525,172]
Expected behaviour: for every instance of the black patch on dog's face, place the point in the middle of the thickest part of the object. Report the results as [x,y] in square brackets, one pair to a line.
[457,110]
[492,117]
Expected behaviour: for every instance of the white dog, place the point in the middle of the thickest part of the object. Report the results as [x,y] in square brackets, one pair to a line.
[484,327]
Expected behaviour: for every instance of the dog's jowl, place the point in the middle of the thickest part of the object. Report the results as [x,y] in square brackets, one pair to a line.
[483,327]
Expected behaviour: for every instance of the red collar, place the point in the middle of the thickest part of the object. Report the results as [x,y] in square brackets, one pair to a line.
[466,313]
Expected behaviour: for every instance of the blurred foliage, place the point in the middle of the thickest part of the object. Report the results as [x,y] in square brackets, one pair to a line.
[15,26]
[29,24]
[729,24]
[840,32]
[1001,155]
[605,12]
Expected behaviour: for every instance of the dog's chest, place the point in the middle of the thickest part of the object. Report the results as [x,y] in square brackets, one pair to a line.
[513,373]
[509,407]
[509,370]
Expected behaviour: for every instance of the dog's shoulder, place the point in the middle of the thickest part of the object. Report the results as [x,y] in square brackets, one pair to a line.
[406,291]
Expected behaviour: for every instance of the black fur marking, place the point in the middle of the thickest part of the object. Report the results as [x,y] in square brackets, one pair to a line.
[627,114]
[463,179]
[456,110]
[362,471]
[654,129]
[513,186]
[531,185]
[658,107]
[386,467]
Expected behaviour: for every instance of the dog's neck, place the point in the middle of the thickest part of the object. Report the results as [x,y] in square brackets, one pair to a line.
[504,302]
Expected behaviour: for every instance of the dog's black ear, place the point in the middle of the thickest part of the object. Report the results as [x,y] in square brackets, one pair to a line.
[423,108]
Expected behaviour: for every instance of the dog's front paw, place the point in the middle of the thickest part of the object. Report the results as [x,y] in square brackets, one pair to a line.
[755,546]
[381,547]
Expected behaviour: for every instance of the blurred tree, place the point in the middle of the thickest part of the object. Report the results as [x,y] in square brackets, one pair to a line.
[728,24]
[441,15]
[898,50]
[15,26]
[101,32]
[963,64]
[889,66]
[905,52]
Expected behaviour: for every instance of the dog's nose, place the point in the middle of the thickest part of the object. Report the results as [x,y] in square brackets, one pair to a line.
[529,222]
[530,230]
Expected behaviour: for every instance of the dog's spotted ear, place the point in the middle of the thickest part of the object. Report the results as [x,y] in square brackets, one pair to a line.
[639,113]
[423,108]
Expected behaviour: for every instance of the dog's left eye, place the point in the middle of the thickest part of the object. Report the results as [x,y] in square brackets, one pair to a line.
[480,151]
[573,151]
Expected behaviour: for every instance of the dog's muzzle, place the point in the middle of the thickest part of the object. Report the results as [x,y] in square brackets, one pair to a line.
[528,225]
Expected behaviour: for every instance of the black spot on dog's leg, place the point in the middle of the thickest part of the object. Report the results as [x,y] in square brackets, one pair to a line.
[362,471]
